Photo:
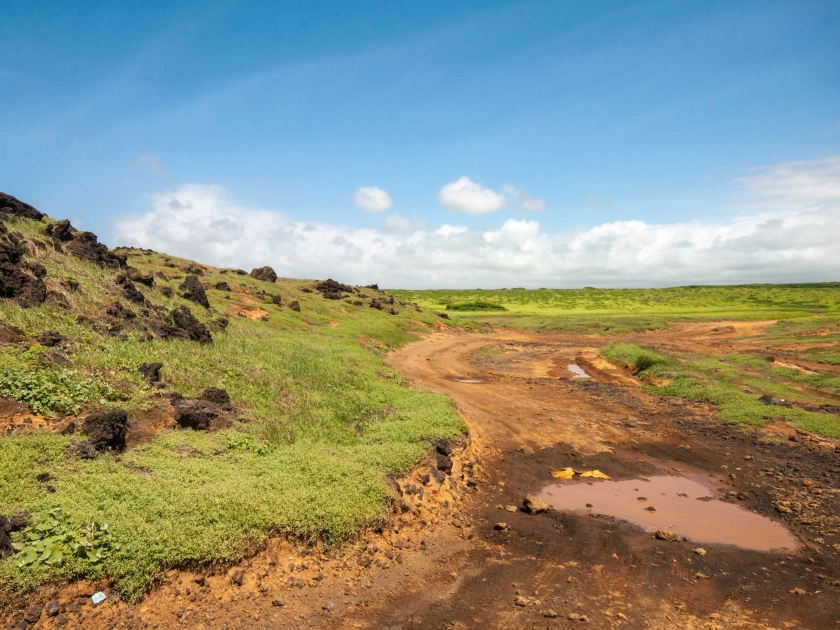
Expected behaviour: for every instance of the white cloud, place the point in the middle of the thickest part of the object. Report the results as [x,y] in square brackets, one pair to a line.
[372,199]
[788,230]
[464,195]
[398,223]
[152,164]
[520,201]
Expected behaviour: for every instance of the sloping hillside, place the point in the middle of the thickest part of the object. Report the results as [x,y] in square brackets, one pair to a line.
[157,412]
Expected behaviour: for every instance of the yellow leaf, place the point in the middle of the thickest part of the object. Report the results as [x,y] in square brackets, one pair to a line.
[597,474]
[563,473]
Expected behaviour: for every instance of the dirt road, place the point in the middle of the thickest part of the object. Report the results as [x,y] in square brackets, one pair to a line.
[462,553]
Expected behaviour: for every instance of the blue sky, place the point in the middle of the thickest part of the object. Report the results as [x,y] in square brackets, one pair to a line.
[598,112]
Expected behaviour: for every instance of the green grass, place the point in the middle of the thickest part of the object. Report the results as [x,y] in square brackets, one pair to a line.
[718,380]
[622,310]
[324,425]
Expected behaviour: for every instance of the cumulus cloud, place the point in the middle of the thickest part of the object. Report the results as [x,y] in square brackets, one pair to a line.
[464,195]
[469,197]
[372,199]
[786,230]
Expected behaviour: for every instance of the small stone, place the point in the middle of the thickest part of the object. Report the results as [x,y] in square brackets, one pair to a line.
[701,576]
[277,602]
[52,609]
[61,620]
[577,617]
[328,606]
[521,601]
[550,614]
[622,616]
[532,505]
[32,614]
[236,576]
[700,551]
[511,508]
[425,479]
[666,534]
[502,527]
[797,591]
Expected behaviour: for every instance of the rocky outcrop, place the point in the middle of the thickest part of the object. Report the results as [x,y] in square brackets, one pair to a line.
[15,207]
[266,274]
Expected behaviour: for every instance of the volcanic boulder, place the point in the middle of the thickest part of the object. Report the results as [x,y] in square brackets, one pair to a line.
[137,276]
[150,371]
[294,306]
[130,290]
[15,207]
[266,274]
[51,338]
[194,414]
[7,526]
[216,396]
[194,291]
[183,318]
[331,289]
[106,429]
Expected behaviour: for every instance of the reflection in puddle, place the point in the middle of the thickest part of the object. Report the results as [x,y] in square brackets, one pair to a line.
[578,372]
[672,503]
[467,380]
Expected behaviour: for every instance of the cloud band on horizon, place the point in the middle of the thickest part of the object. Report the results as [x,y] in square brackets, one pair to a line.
[787,231]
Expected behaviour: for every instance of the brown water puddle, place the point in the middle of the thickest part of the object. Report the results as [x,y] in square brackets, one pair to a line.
[673,503]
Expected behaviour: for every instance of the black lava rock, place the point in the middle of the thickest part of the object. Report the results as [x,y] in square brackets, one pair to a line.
[194,291]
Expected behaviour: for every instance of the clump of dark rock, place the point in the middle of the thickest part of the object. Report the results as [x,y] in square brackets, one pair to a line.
[137,276]
[240,272]
[51,338]
[216,395]
[69,429]
[24,288]
[236,576]
[277,299]
[374,303]
[52,609]
[38,270]
[443,446]
[53,358]
[167,291]
[10,334]
[61,231]
[444,463]
[129,289]
[331,289]
[150,371]
[266,274]
[197,270]
[15,207]
[295,306]
[443,315]
[193,291]
[106,429]
[194,414]
[7,526]
[375,287]
[84,245]
[118,311]
[222,286]
[57,298]
[82,450]
[183,318]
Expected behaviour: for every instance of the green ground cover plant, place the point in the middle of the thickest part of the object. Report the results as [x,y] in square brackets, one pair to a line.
[613,311]
[323,421]
[721,380]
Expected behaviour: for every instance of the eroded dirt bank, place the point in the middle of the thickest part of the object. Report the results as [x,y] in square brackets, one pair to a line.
[443,563]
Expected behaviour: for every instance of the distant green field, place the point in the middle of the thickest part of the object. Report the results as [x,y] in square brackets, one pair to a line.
[619,310]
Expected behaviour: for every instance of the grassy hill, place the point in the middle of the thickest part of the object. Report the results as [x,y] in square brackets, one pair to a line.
[315,419]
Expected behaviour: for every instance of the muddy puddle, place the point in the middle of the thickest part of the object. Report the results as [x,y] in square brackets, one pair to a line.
[468,380]
[673,503]
[578,371]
